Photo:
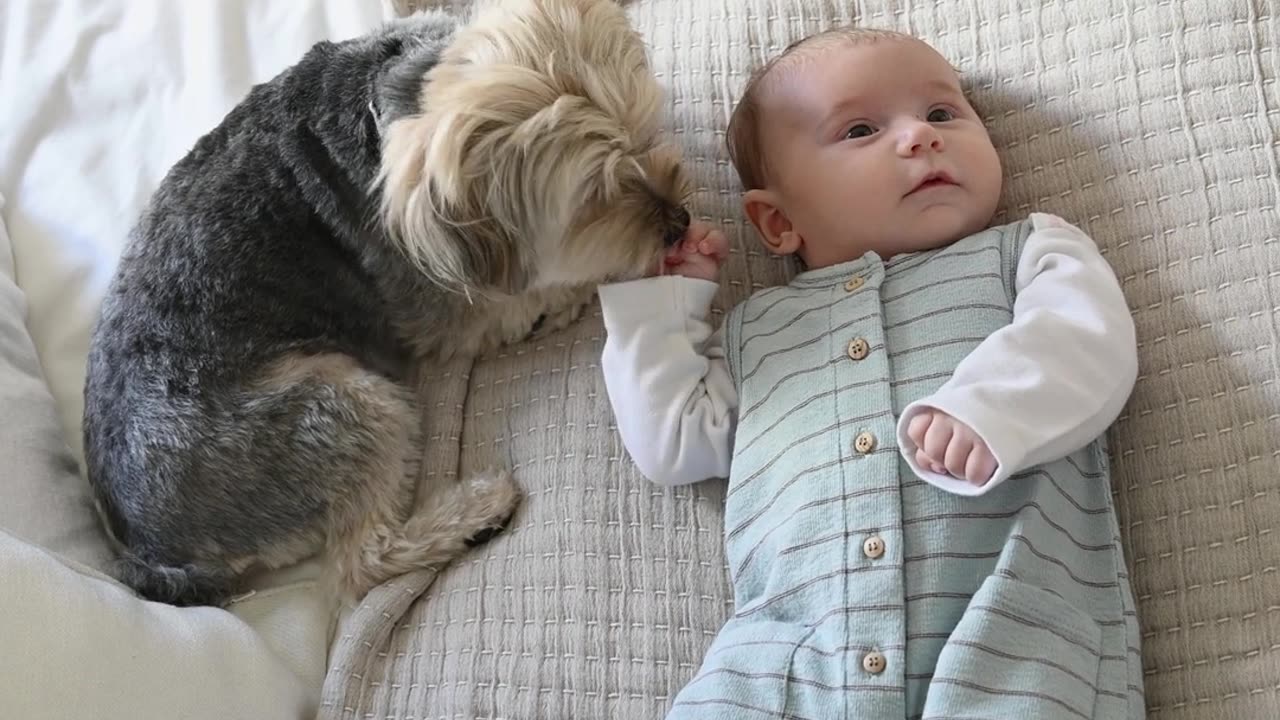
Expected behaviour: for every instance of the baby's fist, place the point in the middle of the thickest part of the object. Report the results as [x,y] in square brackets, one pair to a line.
[699,254]
[947,446]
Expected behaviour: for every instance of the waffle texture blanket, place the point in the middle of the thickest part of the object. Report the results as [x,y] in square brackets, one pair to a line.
[1152,125]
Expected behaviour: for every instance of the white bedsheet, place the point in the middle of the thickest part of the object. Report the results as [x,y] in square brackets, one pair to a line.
[98,98]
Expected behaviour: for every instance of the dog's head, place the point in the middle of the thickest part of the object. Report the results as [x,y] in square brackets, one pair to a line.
[536,156]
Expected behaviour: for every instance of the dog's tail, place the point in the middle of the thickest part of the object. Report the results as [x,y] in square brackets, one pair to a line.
[181,585]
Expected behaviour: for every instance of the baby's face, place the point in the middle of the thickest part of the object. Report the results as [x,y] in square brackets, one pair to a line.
[875,148]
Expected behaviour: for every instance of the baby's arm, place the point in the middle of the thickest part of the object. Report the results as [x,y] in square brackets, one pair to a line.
[667,377]
[1048,383]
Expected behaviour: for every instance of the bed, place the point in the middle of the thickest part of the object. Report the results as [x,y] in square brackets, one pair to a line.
[1153,125]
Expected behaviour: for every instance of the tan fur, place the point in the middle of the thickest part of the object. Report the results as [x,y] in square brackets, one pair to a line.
[375,530]
[536,170]
[562,105]
[522,170]
[553,96]
[291,369]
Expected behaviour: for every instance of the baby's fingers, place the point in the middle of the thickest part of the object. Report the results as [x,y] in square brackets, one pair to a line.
[981,464]
[918,426]
[695,235]
[937,438]
[928,463]
[958,452]
[923,431]
[714,245]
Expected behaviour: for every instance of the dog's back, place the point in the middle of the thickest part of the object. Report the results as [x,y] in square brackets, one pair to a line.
[254,247]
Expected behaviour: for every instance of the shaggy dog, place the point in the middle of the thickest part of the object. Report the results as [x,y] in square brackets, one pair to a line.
[428,190]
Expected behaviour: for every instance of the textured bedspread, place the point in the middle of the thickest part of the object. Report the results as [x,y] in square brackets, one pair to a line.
[1151,124]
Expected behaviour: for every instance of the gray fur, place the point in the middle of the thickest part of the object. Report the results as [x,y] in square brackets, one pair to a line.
[263,242]
[248,400]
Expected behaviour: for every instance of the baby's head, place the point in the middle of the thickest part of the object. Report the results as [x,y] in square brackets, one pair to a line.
[861,140]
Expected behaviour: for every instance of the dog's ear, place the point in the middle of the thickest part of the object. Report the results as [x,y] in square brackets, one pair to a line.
[468,258]
[444,227]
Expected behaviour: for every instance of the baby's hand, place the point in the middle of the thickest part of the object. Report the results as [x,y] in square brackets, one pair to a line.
[947,446]
[698,255]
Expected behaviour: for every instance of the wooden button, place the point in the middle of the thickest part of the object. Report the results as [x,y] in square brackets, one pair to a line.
[873,547]
[874,662]
[858,348]
[864,443]
[854,283]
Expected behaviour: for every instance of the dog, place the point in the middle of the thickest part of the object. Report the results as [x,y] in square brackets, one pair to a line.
[435,188]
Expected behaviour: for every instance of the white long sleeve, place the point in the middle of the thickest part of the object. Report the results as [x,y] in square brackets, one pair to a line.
[1055,378]
[667,378]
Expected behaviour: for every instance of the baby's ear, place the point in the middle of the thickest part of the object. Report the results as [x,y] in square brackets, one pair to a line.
[764,211]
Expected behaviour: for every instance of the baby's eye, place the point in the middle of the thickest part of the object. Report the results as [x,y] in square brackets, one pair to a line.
[940,115]
[860,130]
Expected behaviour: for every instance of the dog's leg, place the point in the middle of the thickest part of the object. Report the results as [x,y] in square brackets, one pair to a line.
[250,477]
[535,314]
[354,444]
[561,307]
[452,519]
[370,539]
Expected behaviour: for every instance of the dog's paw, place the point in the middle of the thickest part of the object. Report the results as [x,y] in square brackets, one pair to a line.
[486,534]
[491,501]
[563,311]
[548,323]
[513,327]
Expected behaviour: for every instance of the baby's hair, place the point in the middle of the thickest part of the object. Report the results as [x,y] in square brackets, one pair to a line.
[743,136]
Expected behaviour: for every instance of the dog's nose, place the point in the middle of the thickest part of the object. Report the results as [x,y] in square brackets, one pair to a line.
[679,226]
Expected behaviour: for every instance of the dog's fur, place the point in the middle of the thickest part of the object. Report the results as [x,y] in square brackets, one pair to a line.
[427,190]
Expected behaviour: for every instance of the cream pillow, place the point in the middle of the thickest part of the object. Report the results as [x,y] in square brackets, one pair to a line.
[79,645]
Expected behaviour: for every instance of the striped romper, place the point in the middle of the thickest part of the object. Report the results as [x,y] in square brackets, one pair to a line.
[862,590]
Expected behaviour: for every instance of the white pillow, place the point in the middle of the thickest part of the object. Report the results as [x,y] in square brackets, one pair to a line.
[43,498]
[100,98]
[79,645]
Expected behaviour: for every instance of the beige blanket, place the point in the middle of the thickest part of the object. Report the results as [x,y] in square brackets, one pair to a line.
[1154,125]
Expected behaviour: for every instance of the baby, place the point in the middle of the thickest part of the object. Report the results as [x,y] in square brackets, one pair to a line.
[918,519]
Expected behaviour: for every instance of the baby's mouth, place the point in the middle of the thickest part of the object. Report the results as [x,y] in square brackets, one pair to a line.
[935,179]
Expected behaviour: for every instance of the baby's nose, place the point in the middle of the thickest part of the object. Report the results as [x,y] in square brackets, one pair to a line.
[918,137]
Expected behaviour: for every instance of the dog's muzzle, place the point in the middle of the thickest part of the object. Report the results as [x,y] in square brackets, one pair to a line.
[679,226]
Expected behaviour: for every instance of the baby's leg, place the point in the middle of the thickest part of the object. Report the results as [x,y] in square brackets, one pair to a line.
[1021,652]
[770,669]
